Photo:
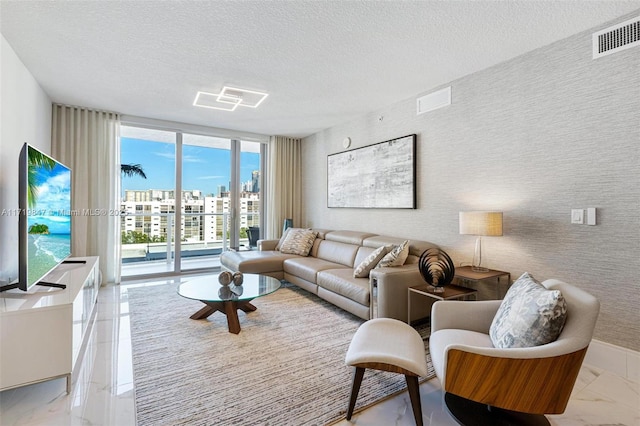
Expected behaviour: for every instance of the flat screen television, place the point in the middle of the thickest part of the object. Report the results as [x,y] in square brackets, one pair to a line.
[44,223]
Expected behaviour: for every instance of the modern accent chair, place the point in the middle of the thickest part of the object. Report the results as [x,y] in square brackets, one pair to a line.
[486,384]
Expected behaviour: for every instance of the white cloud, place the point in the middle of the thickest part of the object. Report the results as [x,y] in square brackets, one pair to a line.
[54,193]
[168,155]
[210,177]
[61,219]
[191,159]
[185,158]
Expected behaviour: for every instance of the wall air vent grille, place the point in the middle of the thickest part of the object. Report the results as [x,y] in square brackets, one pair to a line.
[614,39]
[434,100]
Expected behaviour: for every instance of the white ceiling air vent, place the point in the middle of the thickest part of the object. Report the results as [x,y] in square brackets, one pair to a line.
[434,100]
[619,37]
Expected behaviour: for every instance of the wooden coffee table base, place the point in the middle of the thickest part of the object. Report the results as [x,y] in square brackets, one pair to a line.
[229,308]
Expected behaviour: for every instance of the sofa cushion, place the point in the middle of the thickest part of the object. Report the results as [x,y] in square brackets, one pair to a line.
[529,315]
[395,257]
[342,282]
[298,241]
[314,248]
[254,262]
[382,240]
[369,262]
[336,252]
[348,237]
[322,232]
[308,267]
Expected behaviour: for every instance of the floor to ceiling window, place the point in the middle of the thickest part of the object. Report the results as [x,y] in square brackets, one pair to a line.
[180,207]
[250,193]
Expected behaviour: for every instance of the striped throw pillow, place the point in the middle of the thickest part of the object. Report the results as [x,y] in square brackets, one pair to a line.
[363,269]
[395,257]
[282,238]
[298,241]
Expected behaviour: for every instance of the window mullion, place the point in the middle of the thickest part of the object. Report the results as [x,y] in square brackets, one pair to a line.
[178,207]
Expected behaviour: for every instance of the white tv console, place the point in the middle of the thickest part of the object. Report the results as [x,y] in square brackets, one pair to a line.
[42,331]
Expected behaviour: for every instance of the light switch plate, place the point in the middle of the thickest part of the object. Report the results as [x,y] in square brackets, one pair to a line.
[591,216]
[577,216]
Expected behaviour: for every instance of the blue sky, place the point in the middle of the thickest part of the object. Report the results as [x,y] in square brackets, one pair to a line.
[54,197]
[203,168]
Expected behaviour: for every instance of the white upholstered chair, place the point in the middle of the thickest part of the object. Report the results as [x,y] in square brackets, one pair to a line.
[481,380]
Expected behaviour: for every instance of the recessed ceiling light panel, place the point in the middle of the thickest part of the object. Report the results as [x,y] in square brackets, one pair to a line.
[230,98]
[211,100]
[248,98]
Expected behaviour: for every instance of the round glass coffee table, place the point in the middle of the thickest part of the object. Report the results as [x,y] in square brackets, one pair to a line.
[227,299]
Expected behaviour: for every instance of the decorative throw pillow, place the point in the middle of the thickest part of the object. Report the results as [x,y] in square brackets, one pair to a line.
[363,269]
[282,238]
[298,241]
[395,257]
[530,315]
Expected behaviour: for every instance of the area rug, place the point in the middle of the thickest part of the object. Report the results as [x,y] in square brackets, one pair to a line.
[286,367]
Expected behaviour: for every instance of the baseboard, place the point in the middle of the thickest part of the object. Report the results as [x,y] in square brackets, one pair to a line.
[615,359]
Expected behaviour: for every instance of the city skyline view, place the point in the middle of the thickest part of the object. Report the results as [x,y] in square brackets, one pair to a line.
[204,168]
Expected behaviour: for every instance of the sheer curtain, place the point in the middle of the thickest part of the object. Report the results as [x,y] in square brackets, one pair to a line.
[284,184]
[88,142]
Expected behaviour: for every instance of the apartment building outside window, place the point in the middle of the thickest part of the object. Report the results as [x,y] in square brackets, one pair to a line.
[200,169]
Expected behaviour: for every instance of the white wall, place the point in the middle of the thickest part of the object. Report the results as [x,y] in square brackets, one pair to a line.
[533,137]
[25,116]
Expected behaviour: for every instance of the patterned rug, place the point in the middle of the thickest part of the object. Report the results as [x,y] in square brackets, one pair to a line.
[286,367]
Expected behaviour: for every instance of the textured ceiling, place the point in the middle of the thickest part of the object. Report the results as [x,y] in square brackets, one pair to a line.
[322,62]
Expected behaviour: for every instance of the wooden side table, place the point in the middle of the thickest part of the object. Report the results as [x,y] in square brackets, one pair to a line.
[450,292]
[465,273]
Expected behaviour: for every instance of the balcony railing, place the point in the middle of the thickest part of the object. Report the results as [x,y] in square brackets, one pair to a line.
[148,237]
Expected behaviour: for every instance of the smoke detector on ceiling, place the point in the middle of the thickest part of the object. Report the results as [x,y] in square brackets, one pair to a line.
[616,38]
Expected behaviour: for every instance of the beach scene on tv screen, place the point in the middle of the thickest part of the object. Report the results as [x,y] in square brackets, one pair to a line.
[48,216]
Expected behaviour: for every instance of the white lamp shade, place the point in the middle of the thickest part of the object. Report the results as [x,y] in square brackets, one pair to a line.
[481,223]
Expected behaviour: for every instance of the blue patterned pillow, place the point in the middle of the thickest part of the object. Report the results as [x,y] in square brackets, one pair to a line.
[530,315]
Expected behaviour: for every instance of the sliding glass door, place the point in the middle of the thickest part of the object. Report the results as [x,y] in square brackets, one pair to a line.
[206,173]
[218,208]
[148,200]
[250,194]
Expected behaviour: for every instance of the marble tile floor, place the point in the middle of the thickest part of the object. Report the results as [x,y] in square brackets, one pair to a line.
[103,391]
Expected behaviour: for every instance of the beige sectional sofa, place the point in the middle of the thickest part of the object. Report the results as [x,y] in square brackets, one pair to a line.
[328,271]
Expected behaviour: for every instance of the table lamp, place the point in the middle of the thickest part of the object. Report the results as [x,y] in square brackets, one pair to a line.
[480,224]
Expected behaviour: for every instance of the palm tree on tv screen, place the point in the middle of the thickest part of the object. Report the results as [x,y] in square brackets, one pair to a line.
[36,160]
